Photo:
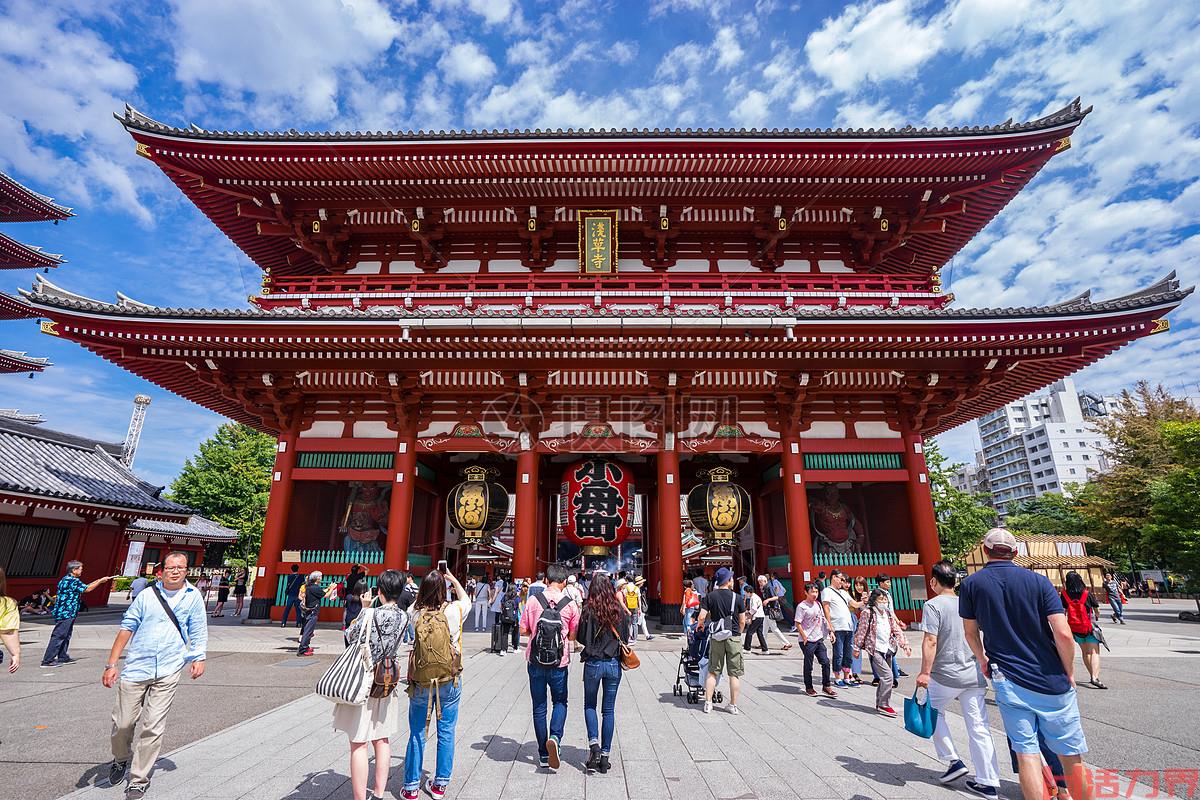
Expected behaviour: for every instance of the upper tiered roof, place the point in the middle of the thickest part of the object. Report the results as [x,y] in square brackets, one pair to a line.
[898,200]
[16,361]
[21,204]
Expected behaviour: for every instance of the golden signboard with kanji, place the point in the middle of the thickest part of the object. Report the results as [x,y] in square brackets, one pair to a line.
[597,242]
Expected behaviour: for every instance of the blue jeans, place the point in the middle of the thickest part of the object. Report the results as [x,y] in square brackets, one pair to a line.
[292,602]
[689,616]
[607,672]
[843,651]
[60,640]
[555,679]
[414,757]
[1118,608]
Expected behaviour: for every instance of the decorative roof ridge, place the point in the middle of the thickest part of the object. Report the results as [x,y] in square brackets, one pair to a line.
[151,489]
[15,414]
[33,249]
[18,427]
[37,197]
[1073,112]
[20,355]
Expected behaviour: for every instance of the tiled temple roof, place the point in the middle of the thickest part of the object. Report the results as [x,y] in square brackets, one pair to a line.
[35,461]
[17,361]
[197,527]
[19,203]
[1167,290]
[1069,114]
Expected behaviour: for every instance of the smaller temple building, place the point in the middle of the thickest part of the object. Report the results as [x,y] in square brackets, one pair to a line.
[65,497]
[1053,556]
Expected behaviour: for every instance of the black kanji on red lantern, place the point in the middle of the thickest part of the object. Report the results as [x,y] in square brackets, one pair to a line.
[598,504]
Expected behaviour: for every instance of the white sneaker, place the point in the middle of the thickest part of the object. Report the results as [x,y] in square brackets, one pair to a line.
[708,706]
[733,709]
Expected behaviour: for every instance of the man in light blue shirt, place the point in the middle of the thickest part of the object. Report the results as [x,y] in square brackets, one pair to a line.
[165,630]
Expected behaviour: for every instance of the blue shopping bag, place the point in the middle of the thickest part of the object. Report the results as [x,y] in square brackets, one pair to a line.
[920,717]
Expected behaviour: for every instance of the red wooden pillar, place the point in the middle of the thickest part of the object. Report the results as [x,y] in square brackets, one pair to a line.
[670,541]
[542,541]
[795,503]
[920,502]
[525,524]
[435,526]
[275,527]
[762,532]
[404,487]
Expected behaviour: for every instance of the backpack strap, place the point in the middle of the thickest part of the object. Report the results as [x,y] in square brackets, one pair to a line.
[541,598]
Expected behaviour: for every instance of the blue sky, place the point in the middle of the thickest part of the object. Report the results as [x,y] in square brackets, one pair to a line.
[1115,212]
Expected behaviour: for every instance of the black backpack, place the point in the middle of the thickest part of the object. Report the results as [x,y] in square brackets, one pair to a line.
[508,607]
[549,639]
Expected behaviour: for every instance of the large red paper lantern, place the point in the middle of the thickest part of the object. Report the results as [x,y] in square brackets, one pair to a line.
[597,497]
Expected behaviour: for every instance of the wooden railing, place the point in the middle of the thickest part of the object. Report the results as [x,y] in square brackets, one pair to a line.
[524,282]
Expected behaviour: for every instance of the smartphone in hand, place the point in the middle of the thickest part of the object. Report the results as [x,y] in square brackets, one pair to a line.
[442,565]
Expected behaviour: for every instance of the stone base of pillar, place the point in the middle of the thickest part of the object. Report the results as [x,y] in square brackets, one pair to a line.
[260,610]
[653,608]
[669,616]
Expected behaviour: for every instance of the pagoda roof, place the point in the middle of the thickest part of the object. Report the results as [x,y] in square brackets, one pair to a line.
[16,361]
[295,202]
[15,255]
[196,527]
[224,359]
[74,472]
[1068,115]
[19,203]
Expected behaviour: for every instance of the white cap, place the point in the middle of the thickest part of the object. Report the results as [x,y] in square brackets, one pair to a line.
[1000,539]
[762,578]
[570,579]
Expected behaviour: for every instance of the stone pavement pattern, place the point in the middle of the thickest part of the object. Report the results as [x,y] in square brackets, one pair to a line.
[784,746]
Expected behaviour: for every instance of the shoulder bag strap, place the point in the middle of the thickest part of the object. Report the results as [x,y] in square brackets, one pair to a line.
[171,614]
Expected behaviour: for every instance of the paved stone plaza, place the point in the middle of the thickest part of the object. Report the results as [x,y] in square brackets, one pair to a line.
[785,745]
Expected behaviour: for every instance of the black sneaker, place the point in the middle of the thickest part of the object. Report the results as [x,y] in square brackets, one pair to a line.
[50,664]
[544,762]
[981,790]
[67,660]
[135,793]
[116,772]
[957,770]
[604,765]
[552,759]
[593,759]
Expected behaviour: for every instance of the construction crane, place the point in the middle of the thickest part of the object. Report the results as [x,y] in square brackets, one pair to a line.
[134,435]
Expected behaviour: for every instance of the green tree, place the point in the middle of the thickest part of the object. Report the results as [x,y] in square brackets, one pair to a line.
[963,518]
[229,481]
[1051,514]
[1118,503]
[1175,501]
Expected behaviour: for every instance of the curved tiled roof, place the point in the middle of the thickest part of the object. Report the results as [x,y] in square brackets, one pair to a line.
[197,527]
[1166,290]
[18,361]
[60,466]
[19,203]
[1073,112]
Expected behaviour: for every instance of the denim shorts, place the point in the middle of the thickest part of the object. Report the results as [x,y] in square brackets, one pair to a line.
[1026,712]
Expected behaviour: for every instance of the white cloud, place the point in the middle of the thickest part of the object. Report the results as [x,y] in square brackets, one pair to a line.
[466,63]
[493,12]
[753,110]
[295,52]
[726,49]
[59,85]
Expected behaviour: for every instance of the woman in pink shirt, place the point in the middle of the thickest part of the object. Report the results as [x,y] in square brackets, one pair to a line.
[814,630]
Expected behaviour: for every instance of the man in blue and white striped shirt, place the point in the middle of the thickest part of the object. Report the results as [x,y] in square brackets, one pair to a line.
[161,644]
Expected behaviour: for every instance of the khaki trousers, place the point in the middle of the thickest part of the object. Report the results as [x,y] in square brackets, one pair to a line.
[147,702]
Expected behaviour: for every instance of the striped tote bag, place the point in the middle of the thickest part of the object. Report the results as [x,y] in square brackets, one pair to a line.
[348,680]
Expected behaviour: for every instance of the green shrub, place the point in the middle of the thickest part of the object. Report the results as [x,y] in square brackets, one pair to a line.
[122,584]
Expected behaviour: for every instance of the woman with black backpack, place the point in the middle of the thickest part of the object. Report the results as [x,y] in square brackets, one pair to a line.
[603,626]
[434,679]
[1082,612]
[379,717]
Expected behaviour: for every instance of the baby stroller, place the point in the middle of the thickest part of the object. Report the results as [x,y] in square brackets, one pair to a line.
[689,680]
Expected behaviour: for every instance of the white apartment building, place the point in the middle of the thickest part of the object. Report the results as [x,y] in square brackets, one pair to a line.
[1042,443]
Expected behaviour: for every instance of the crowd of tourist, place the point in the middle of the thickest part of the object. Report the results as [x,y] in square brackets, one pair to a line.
[1004,626]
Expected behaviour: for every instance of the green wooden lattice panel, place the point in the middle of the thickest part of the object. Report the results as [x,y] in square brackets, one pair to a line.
[852,461]
[309,460]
